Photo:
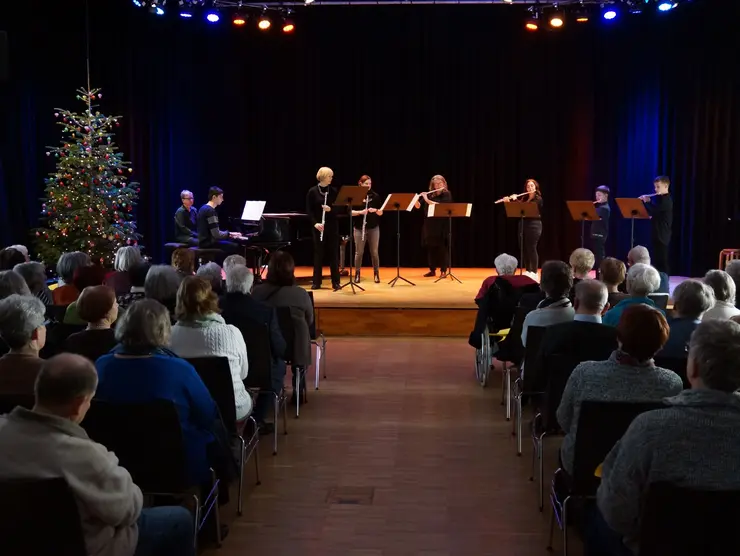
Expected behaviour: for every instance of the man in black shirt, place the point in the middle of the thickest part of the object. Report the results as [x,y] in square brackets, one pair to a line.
[600,228]
[209,234]
[660,208]
[319,200]
[186,220]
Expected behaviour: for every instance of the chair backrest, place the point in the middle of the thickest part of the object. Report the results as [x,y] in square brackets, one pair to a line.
[532,360]
[287,327]
[559,368]
[9,402]
[216,375]
[312,329]
[600,426]
[660,300]
[511,349]
[675,364]
[56,312]
[257,338]
[56,334]
[40,516]
[146,438]
[677,521]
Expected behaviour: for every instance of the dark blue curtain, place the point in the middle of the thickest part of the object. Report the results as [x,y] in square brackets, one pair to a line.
[400,93]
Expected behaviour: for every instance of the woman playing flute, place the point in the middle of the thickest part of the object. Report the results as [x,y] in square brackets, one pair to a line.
[367,229]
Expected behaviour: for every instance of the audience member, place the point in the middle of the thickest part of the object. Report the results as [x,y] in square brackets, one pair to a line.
[85,277]
[506,266]
[67,265]
[239,308]
[613,273]
[642,280]
[161,283]
[23,249]
[691,300]
[582,262]
[211,272]
[733,269]
[137,275]
[640,255]
[35,276]
[234,260]
[97,306]
[691,443]
[724,295]
[48,441]
[23,329]
[10,258]
[629,375]
[556,281]
[126,258]
[201,332]
[12,283]
[183,260]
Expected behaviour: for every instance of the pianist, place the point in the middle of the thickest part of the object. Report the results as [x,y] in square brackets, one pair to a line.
[209,234]
[186,220]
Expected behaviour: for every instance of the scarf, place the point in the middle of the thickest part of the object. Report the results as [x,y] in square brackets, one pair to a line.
[560,303]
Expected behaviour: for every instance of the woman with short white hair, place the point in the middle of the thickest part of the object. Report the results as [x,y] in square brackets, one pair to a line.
[319,201]
[234,260]
[691,300]
[212,273]
[126,258]
[161,283]
[35,276]
[582,262]
[724,294]
[642,280]
[11,282]
[23,329]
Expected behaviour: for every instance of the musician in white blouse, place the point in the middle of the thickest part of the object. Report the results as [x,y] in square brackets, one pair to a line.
[367,228]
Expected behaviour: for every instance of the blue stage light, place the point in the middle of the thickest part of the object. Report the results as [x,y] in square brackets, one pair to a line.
[212,17]
[186,14]
[610,14]
[159,10]
[138,3]
[666,6]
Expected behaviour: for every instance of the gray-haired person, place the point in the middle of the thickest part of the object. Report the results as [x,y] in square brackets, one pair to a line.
[23,330]
[693,442]
[161,283]
[733,269]
[12,283]
[127,258]
[186,220]
[691,300]
[67,264]
[642,280]
[110,504]
[35,276]
[212,272]
[724,295]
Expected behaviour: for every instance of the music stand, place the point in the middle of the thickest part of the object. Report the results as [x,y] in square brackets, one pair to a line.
[582,211]
[449,211]
[398,202]
[521,210]
[351,196]
[632,209]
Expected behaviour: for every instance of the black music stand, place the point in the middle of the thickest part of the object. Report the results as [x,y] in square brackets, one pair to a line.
[351,196]
[521,211]
[449,211]
[634,209]
[398,202]
[582,211]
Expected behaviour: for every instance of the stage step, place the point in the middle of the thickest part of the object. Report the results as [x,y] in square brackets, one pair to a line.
[390,321]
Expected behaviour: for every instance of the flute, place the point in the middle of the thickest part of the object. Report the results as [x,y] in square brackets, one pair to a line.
[651,195]
[424,193]
[323,216]
[502,199]
[364,217]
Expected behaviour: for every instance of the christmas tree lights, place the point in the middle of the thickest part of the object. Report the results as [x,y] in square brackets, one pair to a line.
[89,203]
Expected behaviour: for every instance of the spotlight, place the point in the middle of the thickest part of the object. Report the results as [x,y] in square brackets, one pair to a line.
[557,20]
[264,23]
[239,20]
[186,14]
[582,18]
[610,14]
[307,2]
[288,26]
[666,6]
[212,17]
[138,3]
[159,10]
[532,24]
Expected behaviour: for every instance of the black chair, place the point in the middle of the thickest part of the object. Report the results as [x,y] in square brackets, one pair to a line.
[40,516]
[56,334]
[319,340]
[56,312]
[147,439]
[600,426]
[511,354]
[675,364]
[259,379]
[660,300]
[523,383]
[9,402]
[287,327]
[216,375]
[678,521]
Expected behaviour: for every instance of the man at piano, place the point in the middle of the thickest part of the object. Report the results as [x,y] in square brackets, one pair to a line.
[209,234]
[186,220]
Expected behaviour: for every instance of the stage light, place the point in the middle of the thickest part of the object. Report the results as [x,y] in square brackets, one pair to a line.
[666,6]
[557,20]
[532,24]
[159,10]
[186,14]
[610,14]
[239,20]
[582,18]
[138,3]
[307,2]
[288,26]
[212,17]
[264,23]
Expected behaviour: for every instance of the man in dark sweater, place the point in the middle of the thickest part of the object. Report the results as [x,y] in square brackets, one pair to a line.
[600,228]
[186,220]
[660,208]
[209,234]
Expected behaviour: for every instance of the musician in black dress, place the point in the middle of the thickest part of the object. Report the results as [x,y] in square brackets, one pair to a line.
[531,228]
[600,228]
[436,231]
[319,201]
[369,221]
[660,207]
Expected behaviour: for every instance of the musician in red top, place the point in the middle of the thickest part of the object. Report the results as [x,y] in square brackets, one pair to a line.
[436,233]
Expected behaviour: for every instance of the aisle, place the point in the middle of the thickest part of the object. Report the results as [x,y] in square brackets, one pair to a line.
[399,453]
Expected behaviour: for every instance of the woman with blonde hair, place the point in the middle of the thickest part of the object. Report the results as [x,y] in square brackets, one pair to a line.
[319,201]
[436,232]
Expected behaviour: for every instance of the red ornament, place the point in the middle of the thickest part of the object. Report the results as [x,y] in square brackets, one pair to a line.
[77,218]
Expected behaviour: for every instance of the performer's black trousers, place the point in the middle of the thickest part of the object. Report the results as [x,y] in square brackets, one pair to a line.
[532,232]
[659,257]
[438,256]
[330,247]
[598,247]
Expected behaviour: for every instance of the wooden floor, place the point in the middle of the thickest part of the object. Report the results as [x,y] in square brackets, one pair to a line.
[400,453]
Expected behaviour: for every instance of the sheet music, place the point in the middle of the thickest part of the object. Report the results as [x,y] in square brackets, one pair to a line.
[253,210]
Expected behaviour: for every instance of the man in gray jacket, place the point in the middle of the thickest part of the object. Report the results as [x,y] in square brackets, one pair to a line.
[48,442]
[694,442]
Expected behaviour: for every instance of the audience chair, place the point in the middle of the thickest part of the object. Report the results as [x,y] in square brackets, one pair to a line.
[727,255]
[523,383]
[56,313]
[511,353]
[8,402]
[147,439]
[39,516]
[678,521]
[600,426]
[216,375]
[259,379]
[675,364]
[287,327]
[56,334]
[319,340]
[660,300]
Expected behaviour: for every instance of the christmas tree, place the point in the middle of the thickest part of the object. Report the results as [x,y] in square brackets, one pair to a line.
[89,203]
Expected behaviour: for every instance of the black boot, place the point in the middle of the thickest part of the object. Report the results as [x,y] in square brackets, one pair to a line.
[376,275]
[357,276]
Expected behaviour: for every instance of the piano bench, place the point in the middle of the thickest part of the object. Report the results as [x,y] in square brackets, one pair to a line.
[203,256]
[170,248]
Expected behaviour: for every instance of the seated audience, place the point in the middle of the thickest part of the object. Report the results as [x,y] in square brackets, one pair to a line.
[23,249]
[10,257]
[48,441]
[161,283]
[137,274]
[183,260]
[211,272]
[582,262]
[126,258]
[239,308]
[733,269]
[23,329]
[629,375]
[639,254]
[613,273]
[582,339]
[556,281]
[724,296]
[35,276]
[141,369]
[642,280]
[234,260]
[67,265]
[691,300]
[201,332]
[506,266]
[97,306]
[85,277]
[12,283]
[692,443]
